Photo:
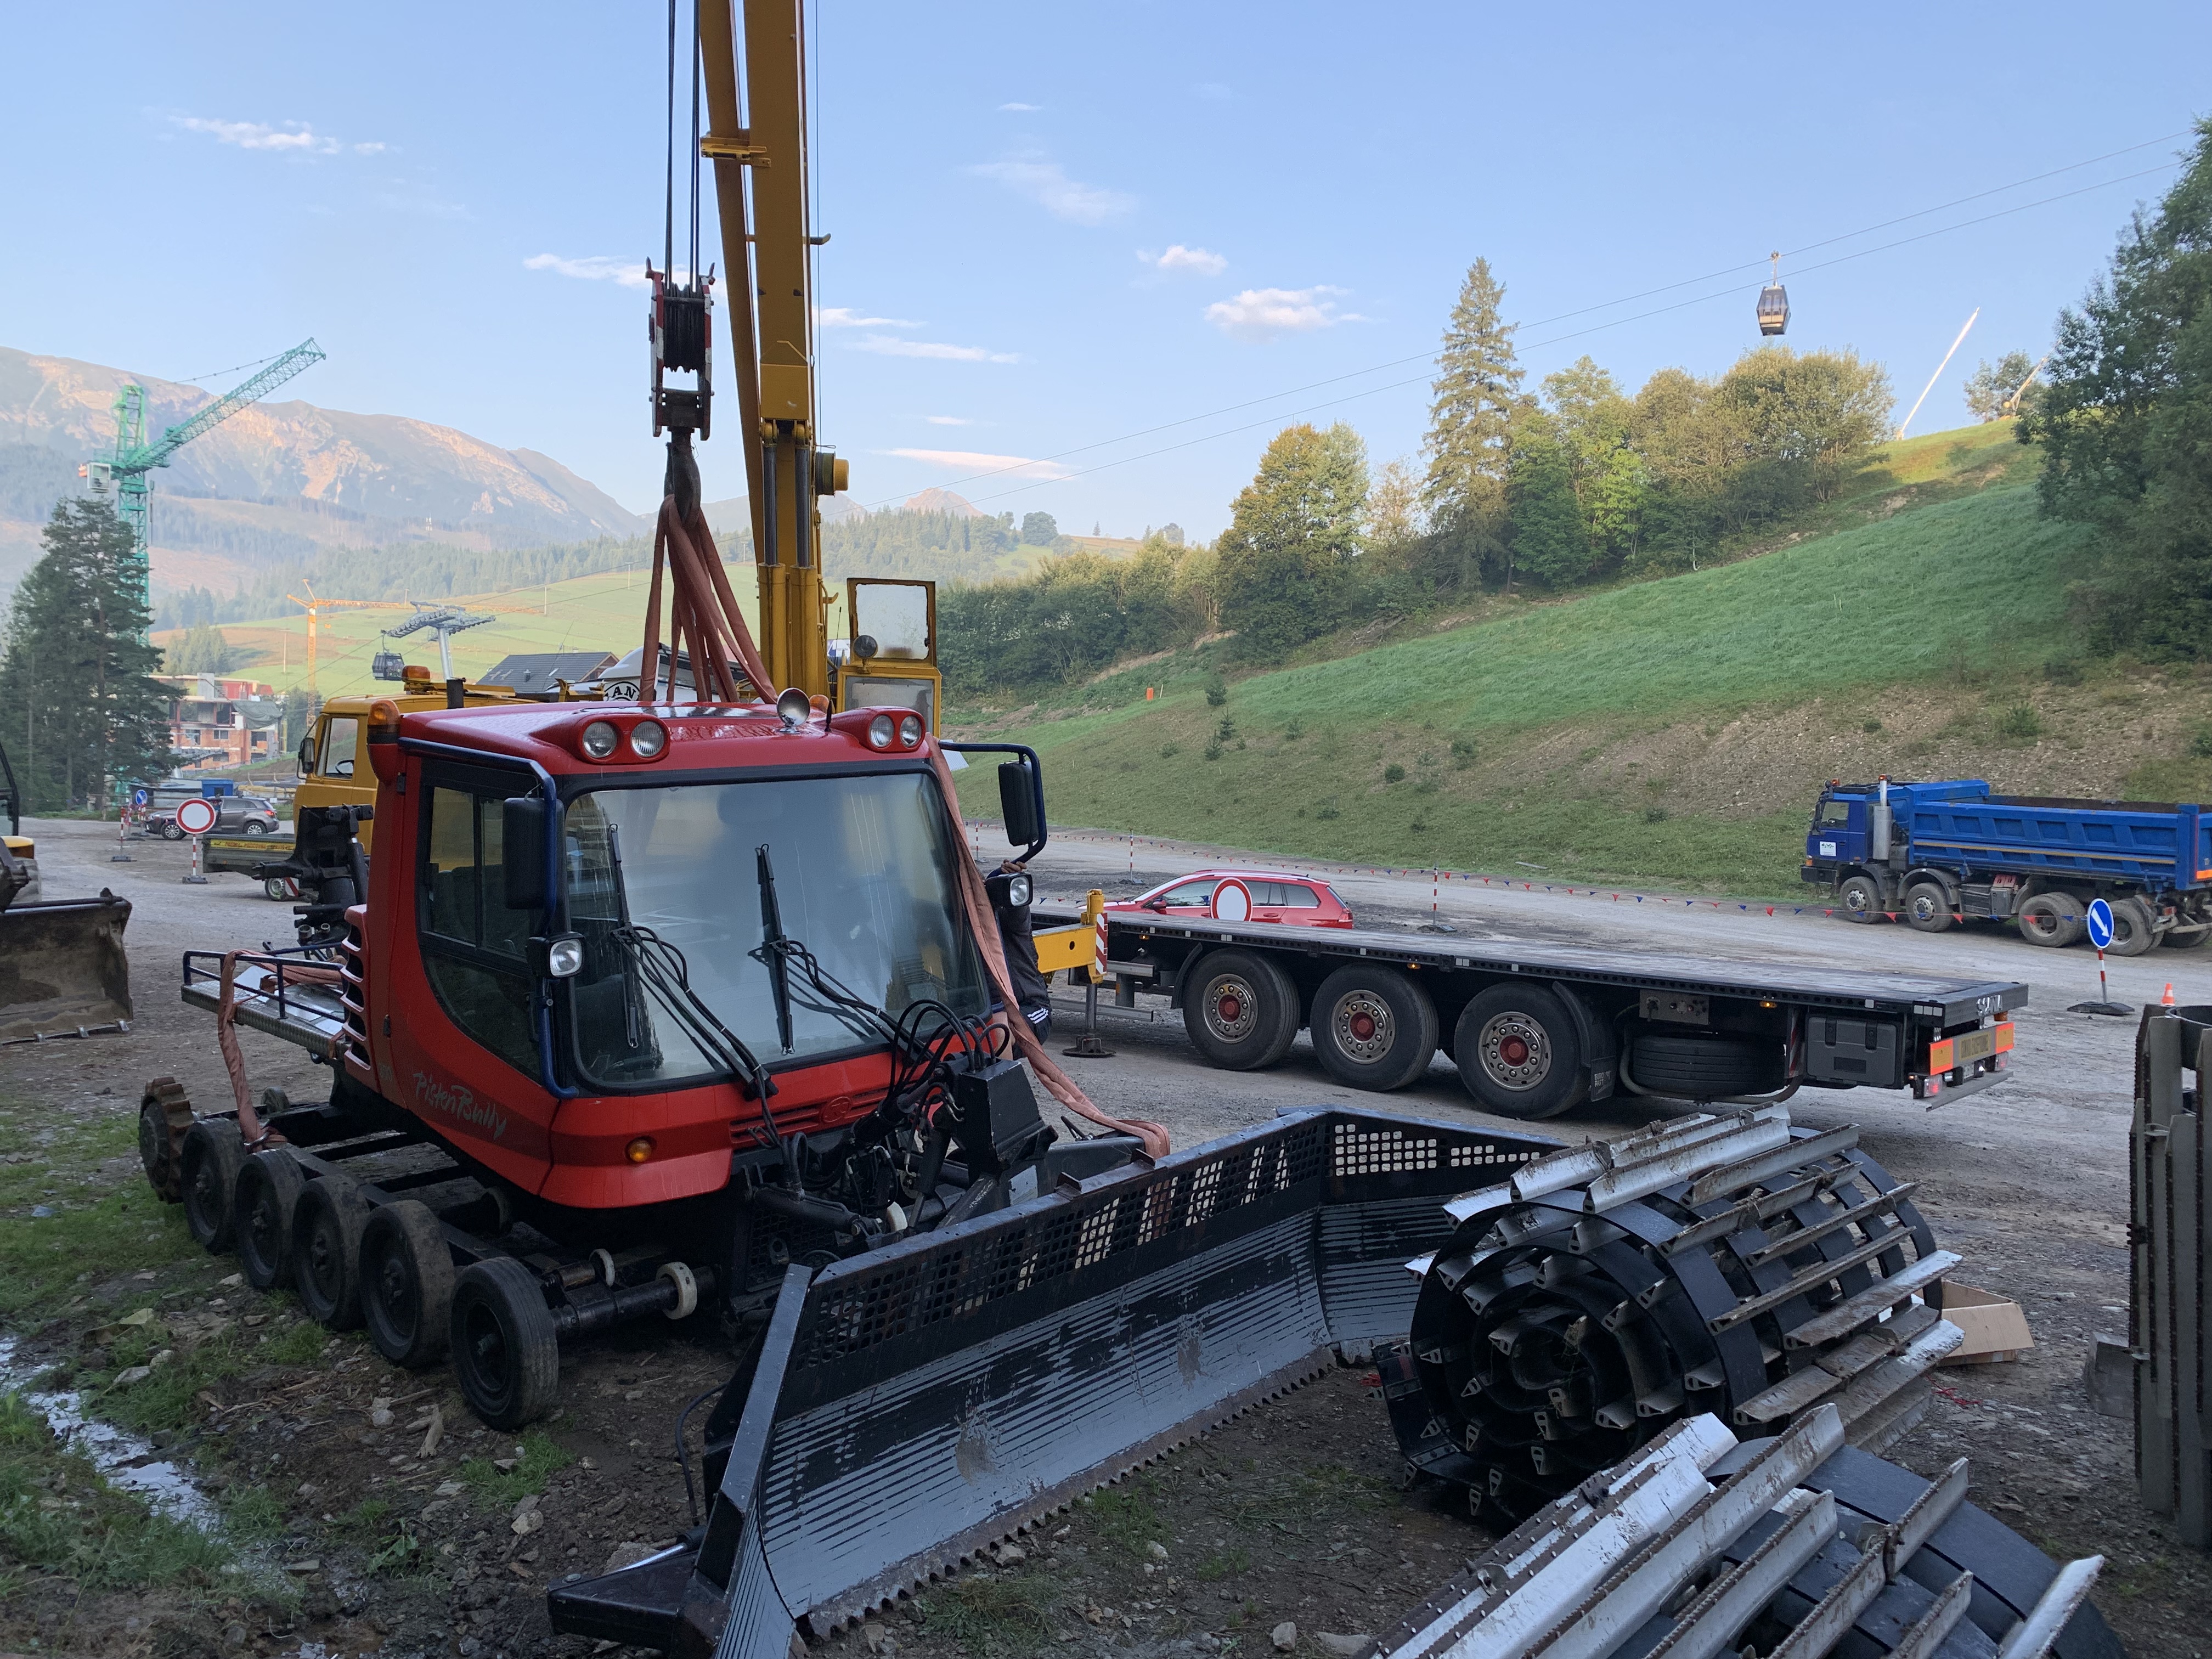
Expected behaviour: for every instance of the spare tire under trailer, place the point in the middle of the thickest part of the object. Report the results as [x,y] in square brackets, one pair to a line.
[425,1286]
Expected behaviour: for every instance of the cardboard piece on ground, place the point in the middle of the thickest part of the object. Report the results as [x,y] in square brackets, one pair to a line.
[1995,1328]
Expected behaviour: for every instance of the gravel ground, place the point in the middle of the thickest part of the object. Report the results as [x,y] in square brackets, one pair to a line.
[1296,1513]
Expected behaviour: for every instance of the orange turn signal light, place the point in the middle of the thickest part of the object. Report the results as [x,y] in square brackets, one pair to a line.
[638,1149]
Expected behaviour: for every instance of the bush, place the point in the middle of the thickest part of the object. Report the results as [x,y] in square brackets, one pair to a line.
[2020,722]
[1393,773]
[1871,725]
[1212,750]
[2200,742]
[2062,670]
[1170,751]
[1655,815]
[1462,753]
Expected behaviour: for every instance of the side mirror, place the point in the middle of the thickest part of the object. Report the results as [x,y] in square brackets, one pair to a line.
[522,853]
[1158,904]
[307,754]
[1019,804]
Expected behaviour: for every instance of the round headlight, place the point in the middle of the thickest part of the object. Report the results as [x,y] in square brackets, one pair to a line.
[879,732]
[1017,891]
[599,740]
[647,739]
[911,731]
[564,958]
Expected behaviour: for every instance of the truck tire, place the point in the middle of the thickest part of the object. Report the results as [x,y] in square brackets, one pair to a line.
[507,1356]
[1927,908]
[1373,1027]
[2049,919]
[2132,933]
[1703,1066]
[1860,898]
[1520,1053]
[1241,1011]
[2185,938]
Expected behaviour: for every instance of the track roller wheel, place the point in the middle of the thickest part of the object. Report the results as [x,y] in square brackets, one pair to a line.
[207,1163]
[506,1356]
[326,1228]
[1520,1053]
[268,1197]
[407,1283]
[1241,1011]
[1374,1027]
[165,1117]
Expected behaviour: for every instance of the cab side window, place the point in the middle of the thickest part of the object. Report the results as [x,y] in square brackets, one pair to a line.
[473,945]
[335,754]
[1835,811]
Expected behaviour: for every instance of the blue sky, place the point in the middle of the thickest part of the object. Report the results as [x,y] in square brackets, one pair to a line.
[1074,222]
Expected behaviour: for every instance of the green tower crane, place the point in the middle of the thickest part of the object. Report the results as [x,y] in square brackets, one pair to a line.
[135,458]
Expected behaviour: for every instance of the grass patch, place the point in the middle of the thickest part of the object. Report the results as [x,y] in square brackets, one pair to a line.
[990,1613]
[98,1225]
[1128,1516]
[1224,1563]
[536,1457]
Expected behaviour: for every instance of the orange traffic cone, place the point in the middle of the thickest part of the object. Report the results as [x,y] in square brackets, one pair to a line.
[2166,1001]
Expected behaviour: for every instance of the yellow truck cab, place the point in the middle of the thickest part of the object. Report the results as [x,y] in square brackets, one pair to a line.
[334,766]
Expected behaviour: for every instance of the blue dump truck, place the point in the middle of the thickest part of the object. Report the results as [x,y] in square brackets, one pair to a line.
[1937,854]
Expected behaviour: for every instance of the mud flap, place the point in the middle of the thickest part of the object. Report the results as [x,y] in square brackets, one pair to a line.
[915,1405]
[62,967]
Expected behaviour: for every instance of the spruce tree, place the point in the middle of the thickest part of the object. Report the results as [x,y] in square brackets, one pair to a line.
[81,710]
[1477,390]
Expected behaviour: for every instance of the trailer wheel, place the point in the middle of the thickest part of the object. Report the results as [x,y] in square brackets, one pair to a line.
[2185,938]
[281,888]
[1927,908]
[1860,898]
[1703,1066]
[1241,1010]
[208,1165]
[407,1283]
[1520,1053]
[267,1202]
[2132,933]
[165,1117]
[1373,1028]
[2051,919]
[326,1228]
[506,1356]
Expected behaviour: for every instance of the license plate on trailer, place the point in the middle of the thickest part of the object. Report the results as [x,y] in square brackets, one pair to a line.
[1970,1046]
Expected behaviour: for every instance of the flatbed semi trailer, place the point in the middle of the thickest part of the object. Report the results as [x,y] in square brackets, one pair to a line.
[1537,1029]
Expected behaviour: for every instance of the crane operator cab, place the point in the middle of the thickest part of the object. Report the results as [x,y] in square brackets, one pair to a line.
[891,652]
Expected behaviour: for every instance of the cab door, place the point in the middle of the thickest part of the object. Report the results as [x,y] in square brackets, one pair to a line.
[891,648]
[1839,831]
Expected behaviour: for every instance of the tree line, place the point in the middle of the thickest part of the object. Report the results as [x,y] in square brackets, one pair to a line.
[1574,482]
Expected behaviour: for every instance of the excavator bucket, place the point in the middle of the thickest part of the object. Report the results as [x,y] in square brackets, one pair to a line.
[63,969]
[913,1406]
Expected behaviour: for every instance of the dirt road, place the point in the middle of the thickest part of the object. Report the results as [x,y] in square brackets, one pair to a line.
[1293,1514]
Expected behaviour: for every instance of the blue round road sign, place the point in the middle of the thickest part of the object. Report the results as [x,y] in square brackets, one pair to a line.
[138,798]
[2100,919]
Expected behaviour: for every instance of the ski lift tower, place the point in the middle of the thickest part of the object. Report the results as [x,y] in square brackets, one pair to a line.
[445,620]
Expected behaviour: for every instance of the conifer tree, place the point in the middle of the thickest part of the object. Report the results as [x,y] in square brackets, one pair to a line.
[1477,390]
[82,710]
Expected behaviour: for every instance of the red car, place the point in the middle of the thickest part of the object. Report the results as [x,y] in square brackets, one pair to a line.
[1300,901]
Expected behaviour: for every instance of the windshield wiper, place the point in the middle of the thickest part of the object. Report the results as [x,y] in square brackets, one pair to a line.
[771,953]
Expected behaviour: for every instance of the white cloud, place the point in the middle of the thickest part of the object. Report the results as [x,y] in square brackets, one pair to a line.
[630,273]
[949,420]
[1047,184]
[890,346]
[1022,109]
[1180,258]
[292,137]
[1263,314]
[846,317]
[969,461]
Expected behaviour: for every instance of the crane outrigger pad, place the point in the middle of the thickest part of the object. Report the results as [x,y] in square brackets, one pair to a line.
[911,1406]
[62,968]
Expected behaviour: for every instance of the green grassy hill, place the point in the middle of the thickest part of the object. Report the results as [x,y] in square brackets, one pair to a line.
[1670,732]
